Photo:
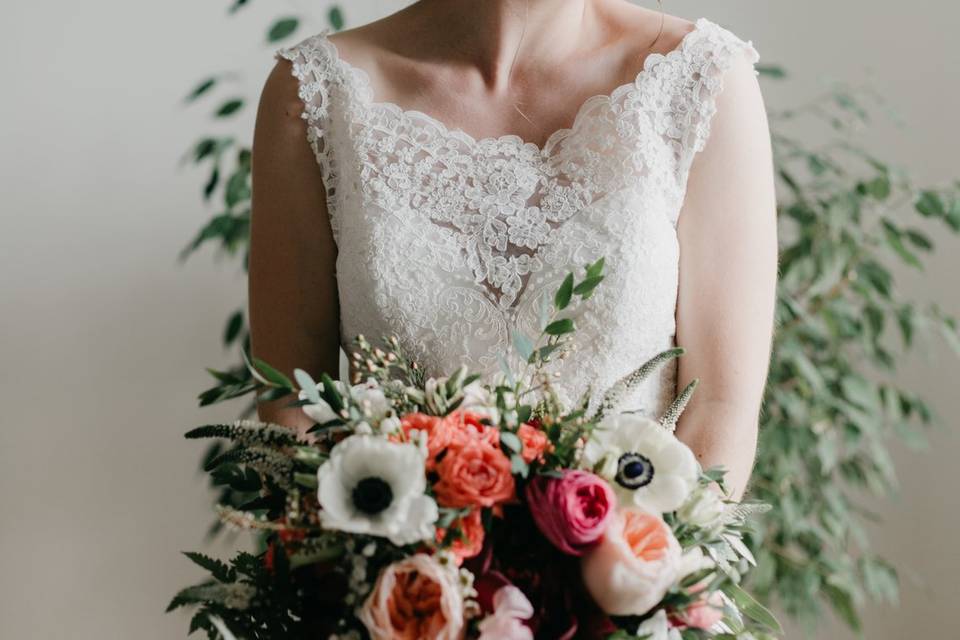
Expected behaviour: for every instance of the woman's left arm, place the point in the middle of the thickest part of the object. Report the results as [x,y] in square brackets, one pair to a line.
[728,274]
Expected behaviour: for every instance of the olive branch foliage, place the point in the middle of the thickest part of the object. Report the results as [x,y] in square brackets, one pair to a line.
[849,221]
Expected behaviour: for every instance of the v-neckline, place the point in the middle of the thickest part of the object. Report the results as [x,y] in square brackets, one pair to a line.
[366,94]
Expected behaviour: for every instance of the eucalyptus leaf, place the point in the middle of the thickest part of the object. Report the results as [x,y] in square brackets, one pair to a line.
[282,29]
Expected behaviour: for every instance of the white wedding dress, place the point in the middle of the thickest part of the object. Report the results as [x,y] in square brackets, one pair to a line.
[449,242]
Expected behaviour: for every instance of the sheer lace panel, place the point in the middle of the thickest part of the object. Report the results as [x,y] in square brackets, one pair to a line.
[450,241]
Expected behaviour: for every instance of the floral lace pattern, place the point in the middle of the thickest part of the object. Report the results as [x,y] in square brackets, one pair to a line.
[451,242]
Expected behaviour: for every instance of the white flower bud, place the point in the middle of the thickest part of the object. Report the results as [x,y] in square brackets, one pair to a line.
[702,509]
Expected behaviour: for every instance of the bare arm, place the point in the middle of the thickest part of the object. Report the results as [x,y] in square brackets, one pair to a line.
[294,309]
[728,271]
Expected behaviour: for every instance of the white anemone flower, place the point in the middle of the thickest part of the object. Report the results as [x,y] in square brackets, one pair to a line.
[372,486]
[645,463]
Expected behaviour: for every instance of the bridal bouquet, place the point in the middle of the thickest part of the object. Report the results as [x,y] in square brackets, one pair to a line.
[457,507]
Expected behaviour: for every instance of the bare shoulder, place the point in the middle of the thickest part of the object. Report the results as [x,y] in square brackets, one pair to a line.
[641,30]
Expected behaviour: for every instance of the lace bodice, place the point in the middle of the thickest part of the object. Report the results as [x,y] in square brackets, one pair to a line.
[449,242]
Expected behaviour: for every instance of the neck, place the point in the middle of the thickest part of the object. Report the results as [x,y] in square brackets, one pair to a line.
[494,34]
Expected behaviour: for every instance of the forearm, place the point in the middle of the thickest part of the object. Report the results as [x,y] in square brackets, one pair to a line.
[722,434]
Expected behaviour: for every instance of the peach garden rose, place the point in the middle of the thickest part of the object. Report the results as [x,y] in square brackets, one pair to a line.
[636,562]
[414,598]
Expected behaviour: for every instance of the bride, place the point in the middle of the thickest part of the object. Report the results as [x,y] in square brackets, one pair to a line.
[434,174]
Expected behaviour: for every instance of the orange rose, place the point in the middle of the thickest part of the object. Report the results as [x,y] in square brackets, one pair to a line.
[535,442]
[414,598]
[473,473]
[469,542]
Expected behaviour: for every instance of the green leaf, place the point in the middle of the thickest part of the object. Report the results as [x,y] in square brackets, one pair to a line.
[511,441]
[523,413]
[218,569]
[233,328]
[559,327]
[893,237]
[229,107]
[919,239]
[518,466]
[330,393]
[212,183]
[204,148]
[564,293]
[273,375]
[522,344]
[879,187]
[585,288]
[751,608]
[307,385]
[774,72]
[238,189]
[282,28]
[595,269]
[335,17]
[843,604]
[930,205]
[202,88]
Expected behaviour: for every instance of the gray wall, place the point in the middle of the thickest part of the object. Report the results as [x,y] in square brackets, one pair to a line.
[104,335]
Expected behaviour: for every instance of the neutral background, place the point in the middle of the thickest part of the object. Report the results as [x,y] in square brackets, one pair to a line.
[104,335]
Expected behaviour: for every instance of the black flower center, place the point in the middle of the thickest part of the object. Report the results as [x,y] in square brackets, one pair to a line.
[634,471]
[372,495]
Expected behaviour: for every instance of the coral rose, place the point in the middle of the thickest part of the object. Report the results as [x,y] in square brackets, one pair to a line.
[437,432]
[636,562]
[467,425]
[414,599]
[469,543]
[535,442]
[572,511]
[473,473]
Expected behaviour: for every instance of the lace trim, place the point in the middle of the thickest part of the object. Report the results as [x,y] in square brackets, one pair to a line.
[363,90]
[705,87]
[519,190]
[314,69]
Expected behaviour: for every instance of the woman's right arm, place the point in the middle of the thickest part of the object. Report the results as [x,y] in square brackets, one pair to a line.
[294,308]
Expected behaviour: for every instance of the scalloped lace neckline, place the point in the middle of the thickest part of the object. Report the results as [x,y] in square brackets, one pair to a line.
[366,95]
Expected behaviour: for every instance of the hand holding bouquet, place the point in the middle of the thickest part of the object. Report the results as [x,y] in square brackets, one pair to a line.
[457,507]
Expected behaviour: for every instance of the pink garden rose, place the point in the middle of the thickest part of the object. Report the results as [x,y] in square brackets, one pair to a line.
[703,613]
[636,562]
[572,511]
[414,598]
[510,609]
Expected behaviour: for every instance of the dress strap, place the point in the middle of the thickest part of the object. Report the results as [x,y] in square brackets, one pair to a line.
[318,73]
[706,61]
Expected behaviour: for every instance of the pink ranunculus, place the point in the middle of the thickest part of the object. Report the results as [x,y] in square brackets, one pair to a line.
[510,609]
[416,597]
[572,511]
[636,562]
